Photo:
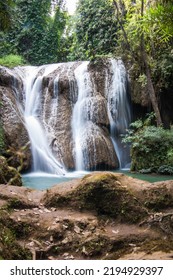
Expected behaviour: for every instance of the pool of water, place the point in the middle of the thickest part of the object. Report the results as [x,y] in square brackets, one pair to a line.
[42,181]
[148,177]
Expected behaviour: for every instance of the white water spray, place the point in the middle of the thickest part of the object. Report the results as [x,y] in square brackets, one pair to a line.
[118,109]
[78,123]
[43,159]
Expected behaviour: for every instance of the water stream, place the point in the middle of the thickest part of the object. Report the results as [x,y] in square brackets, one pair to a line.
[43,159]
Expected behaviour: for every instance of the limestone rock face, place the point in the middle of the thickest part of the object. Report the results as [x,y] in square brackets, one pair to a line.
[15,133]
[58,96]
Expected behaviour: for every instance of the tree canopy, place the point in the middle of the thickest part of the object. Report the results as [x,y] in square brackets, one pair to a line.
[36,31]
[95,29]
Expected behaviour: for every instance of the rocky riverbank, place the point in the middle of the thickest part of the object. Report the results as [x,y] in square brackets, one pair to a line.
[101,216]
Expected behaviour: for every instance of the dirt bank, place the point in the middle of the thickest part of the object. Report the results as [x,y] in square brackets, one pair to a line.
[101,216]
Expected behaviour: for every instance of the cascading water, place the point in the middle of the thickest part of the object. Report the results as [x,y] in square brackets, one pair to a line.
[118,108]
[84,112]
[43,159]
[74,113]
[78,123]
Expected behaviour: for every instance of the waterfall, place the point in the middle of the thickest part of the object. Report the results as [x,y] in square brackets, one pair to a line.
[118,108]
[43,159]
[78,121]
[85,113]
[75,114]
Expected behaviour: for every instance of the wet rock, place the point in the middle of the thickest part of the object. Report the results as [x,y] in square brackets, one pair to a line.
[15,134]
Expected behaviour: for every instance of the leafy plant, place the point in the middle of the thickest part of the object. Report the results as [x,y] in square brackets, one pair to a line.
[95,29]
[12,60]
[165,170]
[151,146]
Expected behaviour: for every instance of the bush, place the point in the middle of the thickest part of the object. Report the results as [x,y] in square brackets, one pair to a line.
[165,170]
[151,147]
[12,60]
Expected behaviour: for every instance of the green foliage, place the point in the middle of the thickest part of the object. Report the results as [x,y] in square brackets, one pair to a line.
[146,38]
[159,17]
[6,14]
[151,147]
[165,170]
[163,69]
[12,60]
[95,29]
[2,143]
[9,248]
[36,32]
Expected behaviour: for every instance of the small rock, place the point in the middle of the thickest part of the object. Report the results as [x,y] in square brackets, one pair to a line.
[51,258]
[69,258]
[47,210]
[65,241]
[115,231]
[77,229]
[86,233]
[65,254]
[35,213]
[84,251]
[65,226]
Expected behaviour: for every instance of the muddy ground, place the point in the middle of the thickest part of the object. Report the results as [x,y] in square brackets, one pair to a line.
[101,216]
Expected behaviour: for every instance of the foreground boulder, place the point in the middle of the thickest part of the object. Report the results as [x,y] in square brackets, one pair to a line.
[101,216]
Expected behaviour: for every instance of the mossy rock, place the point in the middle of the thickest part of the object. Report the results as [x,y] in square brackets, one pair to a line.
[9,248]
[102,193]
[158,198]
[9,175]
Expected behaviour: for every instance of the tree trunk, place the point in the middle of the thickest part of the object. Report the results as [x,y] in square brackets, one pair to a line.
[146,66]
[122,27]
[150,86]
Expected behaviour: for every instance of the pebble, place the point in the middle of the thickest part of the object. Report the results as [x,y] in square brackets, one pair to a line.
[77,229]
[65,241]
[47,210]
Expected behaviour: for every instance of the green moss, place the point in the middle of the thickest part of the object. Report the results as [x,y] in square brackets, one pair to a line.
[9,248]
[9,175]
[158,198]
[97,246]
[103,194]
[15,203]
[158,244]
